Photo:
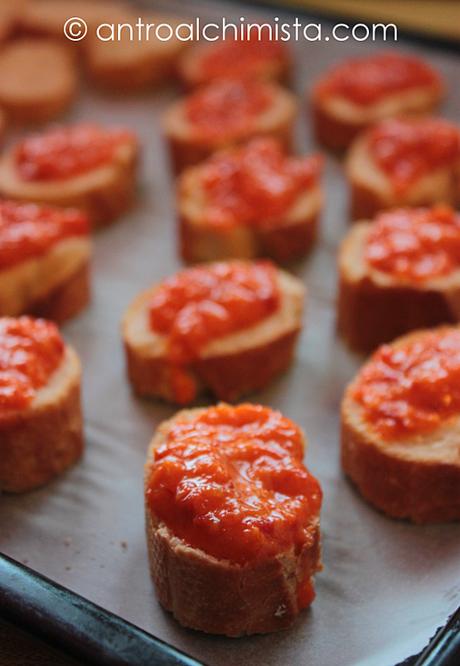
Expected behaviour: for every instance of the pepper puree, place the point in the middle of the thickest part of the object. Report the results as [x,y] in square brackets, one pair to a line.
[411,388]
[231,482]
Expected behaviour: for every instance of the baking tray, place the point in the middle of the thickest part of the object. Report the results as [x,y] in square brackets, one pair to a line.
[386,585]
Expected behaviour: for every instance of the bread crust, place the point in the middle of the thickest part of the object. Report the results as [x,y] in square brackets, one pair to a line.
[67,299]
[374,308]
[40,442]
[229,373]
[399,482]
[103,193]
[219,597]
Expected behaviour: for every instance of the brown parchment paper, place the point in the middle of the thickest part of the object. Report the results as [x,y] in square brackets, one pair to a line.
[386,585]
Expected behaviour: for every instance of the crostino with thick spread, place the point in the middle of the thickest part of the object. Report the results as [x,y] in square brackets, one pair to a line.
[410,388]
[30,351]
[406,150]
[367,81]
[255,184]
[67,152]
[415,244]
[231,482]
[30,230]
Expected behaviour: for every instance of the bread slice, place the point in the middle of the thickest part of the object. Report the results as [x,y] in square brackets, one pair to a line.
[41,441]
[283,240]
[375,307]
[417,478]
[371,190]
[54,285]
[187,149]
[103,193]
[131,65]
[38,80]
[217,596]
[228,367]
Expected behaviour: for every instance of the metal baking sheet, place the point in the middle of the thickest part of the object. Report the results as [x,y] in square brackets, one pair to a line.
[386,585]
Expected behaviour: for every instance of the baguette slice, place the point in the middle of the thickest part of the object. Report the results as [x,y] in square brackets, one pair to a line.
[284,240]
[228,367]
[38,80]
[417,479]
[372,190]
[186,148]
[376,307]
[217,596]
[103,193]
[41,441]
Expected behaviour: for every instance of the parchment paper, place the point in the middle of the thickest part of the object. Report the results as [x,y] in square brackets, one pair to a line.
[386,585]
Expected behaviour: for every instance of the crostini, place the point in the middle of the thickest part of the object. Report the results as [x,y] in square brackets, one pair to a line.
[40,416]
[82,166]
[399,427]
[224,114]
[256,57]
[402,162]
[362,91]
[250,201]
[232,519]
[399,273]
[38,80]
[227,328]
[44,261]
[134,61]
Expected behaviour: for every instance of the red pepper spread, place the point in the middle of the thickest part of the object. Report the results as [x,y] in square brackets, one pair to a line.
[415,244]
[366,81]
[235,58]
[66,152]
[29,230]
[30,351]
[255,184]
[227,109]
[407,150]
[231,482]
[410,389]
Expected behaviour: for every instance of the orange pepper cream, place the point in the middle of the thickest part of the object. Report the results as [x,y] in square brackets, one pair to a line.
[30,351]
[415,244]
[367,81]
[255,184]
[29,230]
[407,150]
[231,482]
[411,388]
[66,152]
[226,109]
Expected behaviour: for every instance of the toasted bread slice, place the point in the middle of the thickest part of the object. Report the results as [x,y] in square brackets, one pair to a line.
[103,193]
[41,441]
[228,367]
[371,190]
[38,80]
[283,240]
[376,307]
[217,596]
[416,478]
[187,149]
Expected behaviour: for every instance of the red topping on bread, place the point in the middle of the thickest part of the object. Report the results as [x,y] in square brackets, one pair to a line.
[29,230]
[207,302]
[231,482]
[254,183]
[406,150]
[366,81]
[30,351]
[411,388]
[226,108]
[415,244]
[66,152]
